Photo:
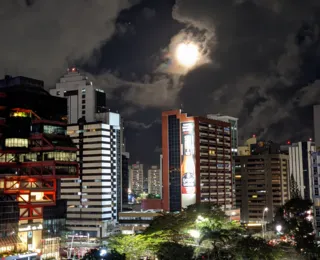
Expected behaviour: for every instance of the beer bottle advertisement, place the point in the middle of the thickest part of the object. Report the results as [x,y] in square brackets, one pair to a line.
[188,178]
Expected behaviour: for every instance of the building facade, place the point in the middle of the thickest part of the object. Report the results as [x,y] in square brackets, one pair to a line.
[262,181]
[315,192]
[125,177]
[136,178]
[300,166]
[234,129]
[35,154]
[196,161]
[154,184]
[95,198]
[316,124]
[84,100]
[133,222]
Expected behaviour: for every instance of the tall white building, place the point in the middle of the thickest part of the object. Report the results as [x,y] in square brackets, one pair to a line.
[300,166]
[154,184]
[94,199]
[83,98]
[136,178]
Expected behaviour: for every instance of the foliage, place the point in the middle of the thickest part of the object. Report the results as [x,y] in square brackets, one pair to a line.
[175,226]
[215,242]
[153,196]
[94,254]
[293,217]
[256,248]
[135,246]
[169,236]
[294,189]
[170,250]
[131,246]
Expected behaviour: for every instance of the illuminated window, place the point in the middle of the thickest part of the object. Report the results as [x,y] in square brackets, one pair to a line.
[16,142]
[70,132]
[60,156]
[212,152]
[52,129]
[19,114]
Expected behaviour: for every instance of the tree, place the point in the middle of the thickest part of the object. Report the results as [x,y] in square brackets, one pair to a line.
[94,254]
[217,243]
[294,189]
[170,250]
[136,246]
[294,217]
[256,248]
[132,246]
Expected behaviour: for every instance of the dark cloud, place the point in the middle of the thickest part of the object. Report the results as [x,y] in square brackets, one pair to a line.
[41,38]
[264,50]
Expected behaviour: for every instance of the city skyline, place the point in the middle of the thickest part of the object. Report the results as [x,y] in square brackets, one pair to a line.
[129,54]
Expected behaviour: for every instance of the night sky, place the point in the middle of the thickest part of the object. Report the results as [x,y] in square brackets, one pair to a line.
[259,59]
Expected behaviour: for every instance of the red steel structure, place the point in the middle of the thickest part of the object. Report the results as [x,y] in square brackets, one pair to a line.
[35,151]
[25,178]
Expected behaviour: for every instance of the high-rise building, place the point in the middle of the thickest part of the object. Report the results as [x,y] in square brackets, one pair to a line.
[316,124]
[234,141]
[315,192]
[94,199]
[136,178]
[125,177]
[316,170]
[36,154]
[300,166]
[234,129]
[262,181]
[83,98]
[154,184]
[196,161]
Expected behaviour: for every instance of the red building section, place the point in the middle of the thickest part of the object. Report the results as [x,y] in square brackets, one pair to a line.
[32,161]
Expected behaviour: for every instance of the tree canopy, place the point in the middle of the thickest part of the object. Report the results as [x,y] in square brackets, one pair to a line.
[296,220]
[200,230]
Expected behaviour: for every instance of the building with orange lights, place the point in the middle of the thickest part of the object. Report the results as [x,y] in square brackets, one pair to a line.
[197,161]
[35,154]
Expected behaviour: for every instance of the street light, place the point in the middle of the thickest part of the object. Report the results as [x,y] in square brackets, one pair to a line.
[263,223]
[279,228]
[194,233]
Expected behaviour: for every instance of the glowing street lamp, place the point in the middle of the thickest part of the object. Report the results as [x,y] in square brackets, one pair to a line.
[279,228]
[195,233]
[263,222]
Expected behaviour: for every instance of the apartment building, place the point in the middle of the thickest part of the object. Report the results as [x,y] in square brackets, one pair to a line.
[262,182]
[196,164]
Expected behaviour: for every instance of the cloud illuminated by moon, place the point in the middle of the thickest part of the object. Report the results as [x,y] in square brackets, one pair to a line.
[185,52]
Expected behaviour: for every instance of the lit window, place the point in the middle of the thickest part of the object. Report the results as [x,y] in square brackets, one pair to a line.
[51,129]
[20,114]
[16,142]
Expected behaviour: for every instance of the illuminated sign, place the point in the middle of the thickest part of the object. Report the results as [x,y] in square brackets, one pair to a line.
[30,227]
[188,169]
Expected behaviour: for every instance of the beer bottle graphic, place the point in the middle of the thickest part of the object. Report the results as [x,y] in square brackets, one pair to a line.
[188,179]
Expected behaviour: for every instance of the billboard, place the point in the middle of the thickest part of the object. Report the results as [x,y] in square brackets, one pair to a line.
[188,168]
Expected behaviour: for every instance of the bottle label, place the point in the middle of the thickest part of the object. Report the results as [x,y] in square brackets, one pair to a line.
[188,177]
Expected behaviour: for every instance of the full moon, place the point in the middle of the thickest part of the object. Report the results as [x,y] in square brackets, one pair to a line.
[187,54]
